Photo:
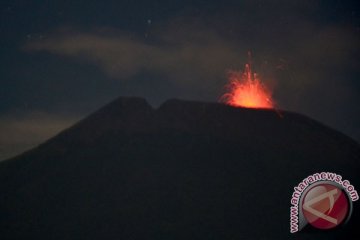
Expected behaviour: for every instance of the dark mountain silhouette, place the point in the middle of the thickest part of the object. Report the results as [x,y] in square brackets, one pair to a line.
[188,170]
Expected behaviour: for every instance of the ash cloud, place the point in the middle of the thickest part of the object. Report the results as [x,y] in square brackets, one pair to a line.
[189,56]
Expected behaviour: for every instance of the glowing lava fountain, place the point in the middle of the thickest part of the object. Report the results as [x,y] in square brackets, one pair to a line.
[246,90]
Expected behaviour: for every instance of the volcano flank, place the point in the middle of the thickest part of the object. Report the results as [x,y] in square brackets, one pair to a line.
[187,170]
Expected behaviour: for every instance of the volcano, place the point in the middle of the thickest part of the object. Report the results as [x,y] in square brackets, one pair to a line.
[187,170]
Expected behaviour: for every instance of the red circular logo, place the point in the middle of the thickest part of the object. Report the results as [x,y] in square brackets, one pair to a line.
[325,206]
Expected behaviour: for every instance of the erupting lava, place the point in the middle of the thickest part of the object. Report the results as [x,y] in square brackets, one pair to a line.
[246,90]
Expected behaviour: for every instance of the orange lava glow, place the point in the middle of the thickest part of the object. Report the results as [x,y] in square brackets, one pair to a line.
[246,90]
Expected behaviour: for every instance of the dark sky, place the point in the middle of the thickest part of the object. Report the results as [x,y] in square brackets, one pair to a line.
[61,60]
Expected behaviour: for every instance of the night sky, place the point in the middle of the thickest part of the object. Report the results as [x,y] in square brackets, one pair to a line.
[61,60]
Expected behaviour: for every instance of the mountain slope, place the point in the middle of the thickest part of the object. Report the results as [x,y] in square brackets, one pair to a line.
[188,170]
